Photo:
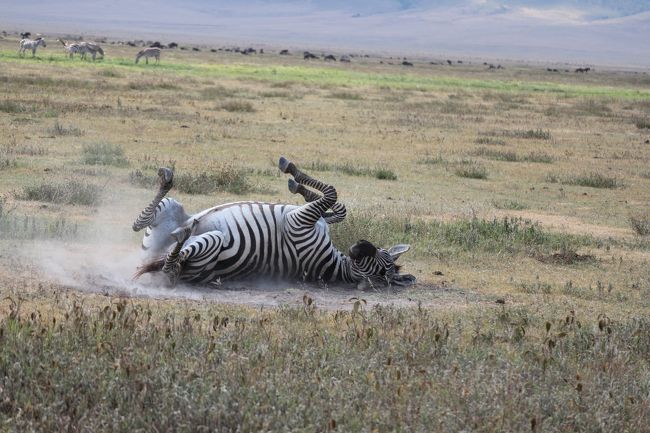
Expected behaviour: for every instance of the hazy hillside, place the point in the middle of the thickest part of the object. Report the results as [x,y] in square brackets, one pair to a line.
[576,31]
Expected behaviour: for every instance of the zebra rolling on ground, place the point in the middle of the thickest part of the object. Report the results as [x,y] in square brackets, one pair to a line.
[148,52]
[254,239]
[28,44]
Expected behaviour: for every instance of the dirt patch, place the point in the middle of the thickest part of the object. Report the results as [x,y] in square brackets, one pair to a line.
[108,271]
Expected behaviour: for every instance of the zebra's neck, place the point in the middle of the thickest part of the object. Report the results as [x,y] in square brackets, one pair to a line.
[342,270]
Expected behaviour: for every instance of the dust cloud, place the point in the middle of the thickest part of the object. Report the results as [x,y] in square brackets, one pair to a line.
[107,255]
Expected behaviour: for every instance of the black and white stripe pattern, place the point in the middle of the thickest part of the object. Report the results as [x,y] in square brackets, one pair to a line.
[254,239]
[29,44]
[148,52]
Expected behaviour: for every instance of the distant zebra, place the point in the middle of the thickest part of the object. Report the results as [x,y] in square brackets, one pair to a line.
[90,47]
[254,239]
[148,52]
[71,48]
[28,44]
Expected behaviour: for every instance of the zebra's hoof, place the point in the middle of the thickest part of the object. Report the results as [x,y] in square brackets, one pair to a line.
[283,165]
[293,186]
[166,178]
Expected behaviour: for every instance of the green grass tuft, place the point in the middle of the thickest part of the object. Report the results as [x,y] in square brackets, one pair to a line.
[104,154]
[471,170]
[72,191]
[237,106]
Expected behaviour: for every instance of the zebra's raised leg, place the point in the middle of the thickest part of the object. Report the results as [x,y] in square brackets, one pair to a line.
[310,213]
[338,213]
[147,216]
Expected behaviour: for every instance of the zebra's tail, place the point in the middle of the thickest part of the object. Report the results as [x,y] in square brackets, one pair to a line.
[62,42]
[99,49]
[153,265]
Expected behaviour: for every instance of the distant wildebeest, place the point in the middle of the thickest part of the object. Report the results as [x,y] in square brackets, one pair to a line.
[248,51]
[344,59]
[131,44]
[307,55]
[213,50]
[407,63]
[196,49]
[330,58]
[172,45]
[285,53]
[148,52]
[25,35]
[156,44]
[28,44]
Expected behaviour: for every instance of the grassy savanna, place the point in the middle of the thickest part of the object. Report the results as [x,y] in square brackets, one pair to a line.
[524,195]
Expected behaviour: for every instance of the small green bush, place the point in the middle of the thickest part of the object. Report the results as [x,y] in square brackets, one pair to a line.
[237,106]
[593,180]
[104,154]
[69,192]
[472,170]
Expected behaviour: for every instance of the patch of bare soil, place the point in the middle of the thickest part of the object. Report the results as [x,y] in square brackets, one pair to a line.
[108,271]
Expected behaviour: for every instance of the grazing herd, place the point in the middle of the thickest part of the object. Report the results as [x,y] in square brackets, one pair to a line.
[154,50]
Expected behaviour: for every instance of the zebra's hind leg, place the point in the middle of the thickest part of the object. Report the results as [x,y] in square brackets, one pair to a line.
[173,264]
[194,256]
[147,216]
[311,212]
[338,210]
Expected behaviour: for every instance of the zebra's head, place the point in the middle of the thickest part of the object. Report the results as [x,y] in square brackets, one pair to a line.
[370,262]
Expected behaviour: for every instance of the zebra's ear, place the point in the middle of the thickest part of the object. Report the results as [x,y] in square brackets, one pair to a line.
[398,250]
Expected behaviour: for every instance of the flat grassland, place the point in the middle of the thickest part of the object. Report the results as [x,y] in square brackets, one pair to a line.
[524,194]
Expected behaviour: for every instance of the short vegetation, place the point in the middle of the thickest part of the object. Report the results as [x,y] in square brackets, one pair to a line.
[72,191]
[226,178]
[104,154]
[590,179]
[127,367]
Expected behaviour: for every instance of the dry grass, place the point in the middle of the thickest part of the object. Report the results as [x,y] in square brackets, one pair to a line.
[373,369]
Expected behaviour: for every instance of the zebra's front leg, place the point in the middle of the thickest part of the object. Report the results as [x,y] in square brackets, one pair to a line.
[148,215]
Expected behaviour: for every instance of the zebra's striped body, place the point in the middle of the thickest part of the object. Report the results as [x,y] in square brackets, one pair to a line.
[253,239]
[148,52]
[28,44]
[90,47]
[70,48]
[257,239]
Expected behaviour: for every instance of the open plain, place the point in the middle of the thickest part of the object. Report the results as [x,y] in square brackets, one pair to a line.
[524,193]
